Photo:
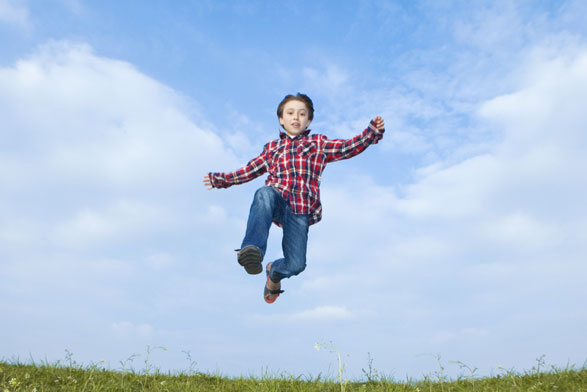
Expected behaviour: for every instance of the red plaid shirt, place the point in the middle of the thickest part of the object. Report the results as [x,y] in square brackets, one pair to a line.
[295,166]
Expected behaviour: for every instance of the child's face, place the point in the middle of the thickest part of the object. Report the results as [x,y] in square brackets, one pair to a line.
[295,118]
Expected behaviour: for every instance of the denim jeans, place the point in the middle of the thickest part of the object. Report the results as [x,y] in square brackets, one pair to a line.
[269,206]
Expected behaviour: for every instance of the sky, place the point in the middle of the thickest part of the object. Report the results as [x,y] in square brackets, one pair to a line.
[459,239]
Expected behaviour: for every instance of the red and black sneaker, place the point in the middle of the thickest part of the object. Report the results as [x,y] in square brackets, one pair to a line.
[270,295]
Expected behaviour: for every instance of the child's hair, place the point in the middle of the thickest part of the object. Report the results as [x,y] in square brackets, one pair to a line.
[298,97]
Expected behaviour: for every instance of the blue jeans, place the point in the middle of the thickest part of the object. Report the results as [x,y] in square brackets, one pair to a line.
[269,206]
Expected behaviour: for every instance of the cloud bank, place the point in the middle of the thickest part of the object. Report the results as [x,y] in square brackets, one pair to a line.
[107,234]
[14,13]
[101,169]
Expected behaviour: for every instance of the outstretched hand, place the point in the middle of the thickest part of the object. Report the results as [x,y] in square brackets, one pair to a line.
[379,122]
[208,182]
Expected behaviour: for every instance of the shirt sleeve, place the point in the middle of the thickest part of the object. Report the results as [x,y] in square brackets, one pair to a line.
[255,168]
[337,149]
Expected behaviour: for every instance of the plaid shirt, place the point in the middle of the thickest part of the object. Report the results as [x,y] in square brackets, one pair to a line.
[295,166]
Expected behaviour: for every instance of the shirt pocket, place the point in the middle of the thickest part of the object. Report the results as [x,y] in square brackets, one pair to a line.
[276,157]
[306,151]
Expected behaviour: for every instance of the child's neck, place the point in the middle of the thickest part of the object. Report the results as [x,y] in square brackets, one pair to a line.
[294,136]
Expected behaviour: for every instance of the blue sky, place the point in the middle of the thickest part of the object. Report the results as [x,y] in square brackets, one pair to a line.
[463,234]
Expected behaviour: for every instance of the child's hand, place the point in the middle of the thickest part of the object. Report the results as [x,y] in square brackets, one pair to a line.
[207,182]
[379,122]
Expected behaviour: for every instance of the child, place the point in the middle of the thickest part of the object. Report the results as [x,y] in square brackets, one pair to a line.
[291,195]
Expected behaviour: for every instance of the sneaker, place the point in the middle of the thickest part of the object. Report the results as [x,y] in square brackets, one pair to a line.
[251,257]
[270,295]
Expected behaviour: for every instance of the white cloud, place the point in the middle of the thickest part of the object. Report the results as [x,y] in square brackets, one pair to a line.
[20,231]
[331,77]
[491,26]
[126,329]
[326,313]
[160,261]
[116,222]
[14,12]
[466,334]
[215,215]
[83,116]
[96,147]
[93,279]
[549,109]
[102,191]
[322,313]
[522,232]
[326,283]
[538,157]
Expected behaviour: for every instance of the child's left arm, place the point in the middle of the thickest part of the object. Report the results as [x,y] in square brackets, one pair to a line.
[337,150]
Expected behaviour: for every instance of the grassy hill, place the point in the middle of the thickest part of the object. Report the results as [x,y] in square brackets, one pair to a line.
[73,377]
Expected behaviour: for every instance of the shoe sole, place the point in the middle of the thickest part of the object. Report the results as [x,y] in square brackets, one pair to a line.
[250,258]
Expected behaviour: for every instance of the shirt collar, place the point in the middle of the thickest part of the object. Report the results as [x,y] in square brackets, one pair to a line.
[283,135]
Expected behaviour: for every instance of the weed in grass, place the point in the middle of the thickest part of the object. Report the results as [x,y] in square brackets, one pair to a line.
[193,364]
[371,374]
[148,366]
[341,365]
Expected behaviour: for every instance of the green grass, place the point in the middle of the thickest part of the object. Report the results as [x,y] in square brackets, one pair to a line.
[70,376]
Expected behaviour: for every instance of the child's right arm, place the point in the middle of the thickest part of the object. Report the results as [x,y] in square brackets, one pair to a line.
[256,167]
[208,182]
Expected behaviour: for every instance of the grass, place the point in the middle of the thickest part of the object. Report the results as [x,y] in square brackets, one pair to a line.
[70,376]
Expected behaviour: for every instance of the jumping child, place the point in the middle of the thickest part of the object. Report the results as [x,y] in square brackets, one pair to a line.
[291,195]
